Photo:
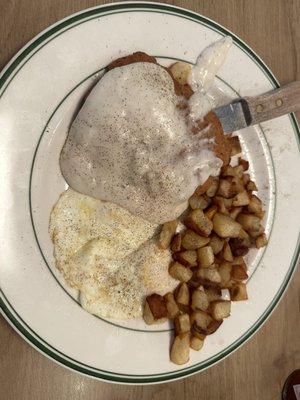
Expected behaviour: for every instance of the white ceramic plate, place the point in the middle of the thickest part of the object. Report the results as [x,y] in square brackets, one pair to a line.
[39,91]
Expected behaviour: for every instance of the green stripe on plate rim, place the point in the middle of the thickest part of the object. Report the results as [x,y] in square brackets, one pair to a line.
[99,71]
[10,314]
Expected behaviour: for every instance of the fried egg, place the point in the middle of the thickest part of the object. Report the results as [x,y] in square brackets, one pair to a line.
[108,254]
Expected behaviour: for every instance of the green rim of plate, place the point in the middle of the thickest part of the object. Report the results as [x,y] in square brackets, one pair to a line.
[7,76]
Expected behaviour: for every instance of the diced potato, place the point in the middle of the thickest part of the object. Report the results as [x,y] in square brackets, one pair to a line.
[192,241]
[233,171]
[240,247]
[228,203]
[187,257]
[249,222]
[180,272]
[237,184]
[205,187]
[226,227]
[226,252]
[251,187]
[205,256]
[220,309]
[235,211]
[244,163]
[196,343]
[213,326]
[167,232]
[197,332]
[225,274]
[239,272]
[225,189]
[255,204]
[176,243]
[210,211]
[213,293]
[246,179]
[199,300]
[235,145]
[260,214]
[182,324]
[196,201]
[209,275]
[255,233]
[155,310]
[241,199]
[261,241]
[172,307]
[180,349]
[180,72]
[212,190]
[182,294]
[197,221]
[216,244]
[201,320]
[238,292]
[220,203]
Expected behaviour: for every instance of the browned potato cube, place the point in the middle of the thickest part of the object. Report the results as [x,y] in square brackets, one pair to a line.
[235,145]
[213,293]
[197,332]
[192,241]
[225,274]
[213,326]
[209,275]
[182,324]
[212,190]
[171,305]
[241,199]
[251,187]
[167,232]
[182,294]
[233,171]
[239,272]
[196,343]
[235,211]
[199,300]
[205,256]
[244,163]
[255,233]
[225,189]
[180,349]
[201,320]
[220,309]
[237,184]
[255,204]
[226,252]
[238,292]
[197,221]
[216,244]
[176,243]
[181,71]
[187,257]
[155,310]
[206,185]
[249,222]
[240,247]
[180,272]
[210,211]
[220,203]
[246,179]
[260,214]
[261,241]
[226,227]
[196,201]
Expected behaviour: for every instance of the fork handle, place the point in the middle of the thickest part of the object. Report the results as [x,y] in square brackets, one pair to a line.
[273,104]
